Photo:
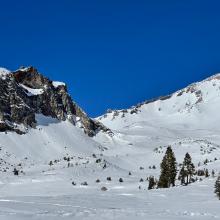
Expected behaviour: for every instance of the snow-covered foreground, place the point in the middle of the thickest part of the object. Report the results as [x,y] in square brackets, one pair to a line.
[52,196]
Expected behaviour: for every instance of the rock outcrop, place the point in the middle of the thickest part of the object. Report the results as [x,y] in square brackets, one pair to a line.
[25,92]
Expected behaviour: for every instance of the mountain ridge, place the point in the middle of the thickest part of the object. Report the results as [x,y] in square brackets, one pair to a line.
[193,89]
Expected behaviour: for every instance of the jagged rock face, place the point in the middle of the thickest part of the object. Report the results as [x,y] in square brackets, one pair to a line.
[14,106]
[52,101]
[25,92]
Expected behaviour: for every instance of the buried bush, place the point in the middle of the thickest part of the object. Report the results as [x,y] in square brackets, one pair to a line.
[104,188]
[200,173]
[98,160]
[206,173]
[152,183]
[84,183]
[213,173]
[109,178]
[15,171]
[121,180]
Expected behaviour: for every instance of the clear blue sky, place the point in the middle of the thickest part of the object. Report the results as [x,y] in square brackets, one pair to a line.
[113,54]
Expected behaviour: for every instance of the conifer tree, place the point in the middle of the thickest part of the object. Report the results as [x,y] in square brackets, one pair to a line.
[168,170]
[213,173]
[182,176]
[217,187]
[152,182]
[187,171]
[206,173]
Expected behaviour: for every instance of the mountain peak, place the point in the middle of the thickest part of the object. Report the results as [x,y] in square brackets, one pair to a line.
[27,92]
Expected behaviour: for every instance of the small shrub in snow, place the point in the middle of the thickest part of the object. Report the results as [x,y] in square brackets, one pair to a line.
[73,183]
[200,173]
[104,188]
[84,183]
[97,181]
[129,173]
[206,161]
[15,171]
[141,180]
[104,166]
[206,173]
[98,160]
[121,180]
[213,173]
[109,178]
[152,182]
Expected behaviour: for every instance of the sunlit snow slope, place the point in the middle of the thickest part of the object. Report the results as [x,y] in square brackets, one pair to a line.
[188,120]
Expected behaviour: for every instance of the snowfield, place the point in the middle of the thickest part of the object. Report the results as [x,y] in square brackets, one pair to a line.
[57,158]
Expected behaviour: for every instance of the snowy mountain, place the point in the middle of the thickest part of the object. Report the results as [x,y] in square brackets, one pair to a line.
[63,158]
[188,120]
[198,101]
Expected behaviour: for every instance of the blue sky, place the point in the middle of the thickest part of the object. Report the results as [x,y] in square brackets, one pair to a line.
[113,54]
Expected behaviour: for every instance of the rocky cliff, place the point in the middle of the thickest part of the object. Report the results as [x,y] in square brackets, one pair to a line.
[25,92]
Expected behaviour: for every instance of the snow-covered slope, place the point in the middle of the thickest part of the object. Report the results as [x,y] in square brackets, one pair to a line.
[188,120]
[196,105]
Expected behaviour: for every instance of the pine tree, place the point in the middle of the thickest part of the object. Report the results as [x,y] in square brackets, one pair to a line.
[182,176]
[213,173]
[187,171]
[206,173]
[217,187]
[152,182]
[168,170]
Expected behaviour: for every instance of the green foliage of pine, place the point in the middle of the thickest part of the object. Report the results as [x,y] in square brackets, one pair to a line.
[187,171]
[168,170]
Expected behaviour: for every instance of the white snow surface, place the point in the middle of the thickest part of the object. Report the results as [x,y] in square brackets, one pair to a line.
[57,83]
[188,121]
[31,91]
[4,72]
